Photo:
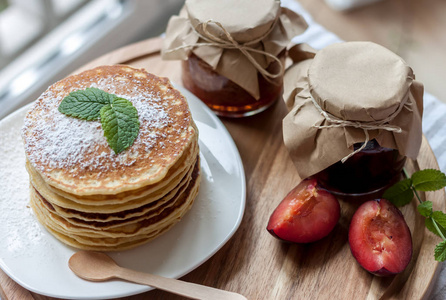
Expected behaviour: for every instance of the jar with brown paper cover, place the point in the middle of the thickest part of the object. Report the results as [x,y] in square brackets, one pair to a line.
[233,52]
[355,115]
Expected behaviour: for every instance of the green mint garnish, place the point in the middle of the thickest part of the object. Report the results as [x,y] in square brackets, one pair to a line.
[439,217]
[423,180]
[425,209]
[440,251]
[119,118]
[428,180]
[85,104]
[120,124]
[401,193]
[429,223]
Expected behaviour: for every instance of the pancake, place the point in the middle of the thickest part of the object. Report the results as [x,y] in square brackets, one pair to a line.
[131,226]
[111,205]
[133,213]
[73,155]
[71,241]
[90,198]
[172,177]
[146,228]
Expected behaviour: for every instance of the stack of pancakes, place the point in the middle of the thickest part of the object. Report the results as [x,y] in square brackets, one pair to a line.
[91,198]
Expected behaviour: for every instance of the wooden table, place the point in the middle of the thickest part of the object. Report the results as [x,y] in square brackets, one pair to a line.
[253,262]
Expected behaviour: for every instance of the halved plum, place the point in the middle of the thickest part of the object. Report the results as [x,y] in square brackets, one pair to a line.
[305,215]
[379,238]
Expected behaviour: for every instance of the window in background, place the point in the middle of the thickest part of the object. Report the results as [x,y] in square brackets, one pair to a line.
[42,41]
[23,22]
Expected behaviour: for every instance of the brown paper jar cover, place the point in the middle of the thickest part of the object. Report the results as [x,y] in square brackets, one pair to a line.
[236,38]
[345,94]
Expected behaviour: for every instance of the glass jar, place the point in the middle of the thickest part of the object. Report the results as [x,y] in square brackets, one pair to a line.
[367,174]
[225,97]
[351,93]
[227,47]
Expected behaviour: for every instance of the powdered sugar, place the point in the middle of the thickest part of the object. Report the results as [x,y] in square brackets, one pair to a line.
[56,141]
[20,229]
[65,143]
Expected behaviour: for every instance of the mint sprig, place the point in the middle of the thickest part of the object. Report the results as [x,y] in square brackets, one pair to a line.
[118,116]
[403,192]
[428,180]
[440,251]
[120,124]
[425,209]
[85,104]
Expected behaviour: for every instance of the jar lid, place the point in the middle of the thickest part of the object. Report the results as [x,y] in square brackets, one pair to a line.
[359,81]
[243,20]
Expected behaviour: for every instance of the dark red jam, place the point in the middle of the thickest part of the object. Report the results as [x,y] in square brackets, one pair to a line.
[225,97]
[367,174]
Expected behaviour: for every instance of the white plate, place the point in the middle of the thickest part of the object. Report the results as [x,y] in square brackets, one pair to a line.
[37,261]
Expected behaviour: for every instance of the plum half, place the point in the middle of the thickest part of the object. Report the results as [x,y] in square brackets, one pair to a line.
[379,238]
[305,215]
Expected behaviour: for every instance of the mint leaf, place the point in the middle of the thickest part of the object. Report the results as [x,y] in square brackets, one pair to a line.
[85,104]
[425,209]
[400,193]
[430,225]
[425,180]
[428,180]
[119,118]
[120,124]
[440,218]
[440,251]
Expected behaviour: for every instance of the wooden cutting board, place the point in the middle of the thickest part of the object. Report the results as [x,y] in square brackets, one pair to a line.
[258,266]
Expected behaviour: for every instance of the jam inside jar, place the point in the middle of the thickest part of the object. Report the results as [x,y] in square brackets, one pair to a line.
[367,174]
[223,96]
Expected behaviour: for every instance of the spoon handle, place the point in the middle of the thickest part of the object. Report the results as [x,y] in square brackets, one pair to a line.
[182,288]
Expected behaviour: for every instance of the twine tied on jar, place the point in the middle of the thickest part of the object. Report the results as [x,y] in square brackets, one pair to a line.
[365,126]
[238,39]
[245,48]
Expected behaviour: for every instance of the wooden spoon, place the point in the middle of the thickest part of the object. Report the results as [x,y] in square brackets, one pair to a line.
[96,266]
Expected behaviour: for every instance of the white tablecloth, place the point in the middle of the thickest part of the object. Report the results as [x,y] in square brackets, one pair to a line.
[434,117]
